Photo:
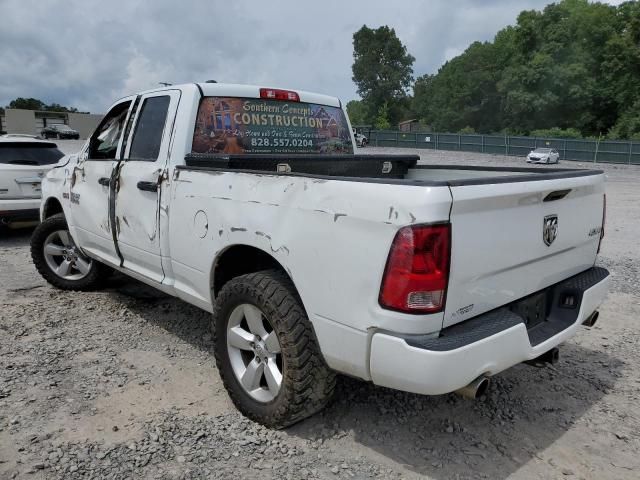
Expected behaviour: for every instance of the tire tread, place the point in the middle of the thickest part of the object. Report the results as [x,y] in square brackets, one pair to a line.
[309,383]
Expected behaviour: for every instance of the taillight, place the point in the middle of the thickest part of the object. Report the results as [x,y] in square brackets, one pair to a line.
[415,279]
[276,94]
[604,219]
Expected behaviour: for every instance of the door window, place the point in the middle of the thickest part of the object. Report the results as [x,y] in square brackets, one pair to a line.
[147,136]
[104,142]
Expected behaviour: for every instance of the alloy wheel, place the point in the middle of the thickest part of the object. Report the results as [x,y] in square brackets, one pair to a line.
[254,352]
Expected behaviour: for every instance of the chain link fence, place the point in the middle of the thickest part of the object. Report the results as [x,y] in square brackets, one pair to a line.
[582,150]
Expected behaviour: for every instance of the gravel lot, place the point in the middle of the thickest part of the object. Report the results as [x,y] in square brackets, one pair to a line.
[121,383]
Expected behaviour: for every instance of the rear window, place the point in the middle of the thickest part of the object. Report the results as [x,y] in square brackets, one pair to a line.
[252,125]
[24,153]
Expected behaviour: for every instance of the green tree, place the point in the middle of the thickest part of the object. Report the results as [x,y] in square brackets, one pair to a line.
[382,119]
[356,112]
[56,107]
[35,104]
[556,132]
[573,65]
[628,125]
[27,104]
[382,71]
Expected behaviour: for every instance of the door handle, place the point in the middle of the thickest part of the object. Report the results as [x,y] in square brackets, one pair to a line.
[148,186]
[104,181]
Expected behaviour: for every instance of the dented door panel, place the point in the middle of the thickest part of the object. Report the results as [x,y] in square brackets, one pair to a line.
[140,187]
[88,182]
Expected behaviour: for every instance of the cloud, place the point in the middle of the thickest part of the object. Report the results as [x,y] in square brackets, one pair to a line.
[86,53]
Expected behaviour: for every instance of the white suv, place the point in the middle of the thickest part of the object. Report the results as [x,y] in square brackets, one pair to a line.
[24,161]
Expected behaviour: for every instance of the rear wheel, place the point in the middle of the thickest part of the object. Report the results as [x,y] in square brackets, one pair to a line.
[267,352]
[58,259]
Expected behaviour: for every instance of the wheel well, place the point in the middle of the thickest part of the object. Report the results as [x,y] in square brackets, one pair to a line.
[52,207]
[240,260]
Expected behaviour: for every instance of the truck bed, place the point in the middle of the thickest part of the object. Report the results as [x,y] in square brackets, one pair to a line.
[499,253]
[377,168]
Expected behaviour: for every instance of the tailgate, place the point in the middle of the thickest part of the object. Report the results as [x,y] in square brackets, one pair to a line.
[510,240]
[21,181]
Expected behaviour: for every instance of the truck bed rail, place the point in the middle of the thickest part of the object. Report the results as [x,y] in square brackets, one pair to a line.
[375,166]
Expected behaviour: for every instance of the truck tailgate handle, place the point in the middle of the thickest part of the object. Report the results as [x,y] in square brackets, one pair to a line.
[148,186]
[557,195]
[104,181]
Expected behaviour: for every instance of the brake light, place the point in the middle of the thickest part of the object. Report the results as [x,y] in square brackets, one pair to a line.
[604,219]
[417,272]
[276,94]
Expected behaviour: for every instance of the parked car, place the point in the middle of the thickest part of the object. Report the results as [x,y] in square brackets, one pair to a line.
[361,139]
[24,162]
[315,260]
[59,131]
[543,155]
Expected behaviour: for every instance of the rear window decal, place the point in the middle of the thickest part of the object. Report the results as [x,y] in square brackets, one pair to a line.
[252,125]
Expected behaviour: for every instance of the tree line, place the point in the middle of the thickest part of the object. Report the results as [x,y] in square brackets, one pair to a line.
[35,104]
[572,70]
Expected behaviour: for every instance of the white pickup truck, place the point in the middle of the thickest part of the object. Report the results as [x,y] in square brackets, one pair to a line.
[249,203]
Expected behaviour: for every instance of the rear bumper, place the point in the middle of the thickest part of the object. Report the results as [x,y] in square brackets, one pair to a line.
[484,345]
[19,210]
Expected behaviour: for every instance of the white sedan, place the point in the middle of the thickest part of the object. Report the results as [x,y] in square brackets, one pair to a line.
[361,140]
[24,161]
[543,155]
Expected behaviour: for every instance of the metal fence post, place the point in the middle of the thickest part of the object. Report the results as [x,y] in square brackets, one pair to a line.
[630,150]
[564,150]
[482,149]
[506,146]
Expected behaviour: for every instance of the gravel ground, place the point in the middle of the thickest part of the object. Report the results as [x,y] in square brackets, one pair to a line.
[121,383]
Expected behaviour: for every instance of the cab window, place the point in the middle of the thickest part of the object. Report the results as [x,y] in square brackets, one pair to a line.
[147,136]
[104,142]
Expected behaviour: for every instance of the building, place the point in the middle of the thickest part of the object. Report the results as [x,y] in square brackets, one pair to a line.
[410,126]
[31,122]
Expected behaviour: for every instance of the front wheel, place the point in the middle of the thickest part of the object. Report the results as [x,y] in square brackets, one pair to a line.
[267,352]
[58,259]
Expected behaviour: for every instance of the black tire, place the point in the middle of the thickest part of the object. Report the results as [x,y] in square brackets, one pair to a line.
[94,279]
[308,383]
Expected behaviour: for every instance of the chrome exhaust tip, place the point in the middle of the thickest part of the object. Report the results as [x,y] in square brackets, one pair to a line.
[552,357]
[591,321]
[475,389]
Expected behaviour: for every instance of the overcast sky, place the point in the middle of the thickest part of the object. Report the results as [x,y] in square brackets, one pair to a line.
[86,53]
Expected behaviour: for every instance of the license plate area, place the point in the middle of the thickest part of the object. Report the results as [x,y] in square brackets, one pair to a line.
[533,309]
